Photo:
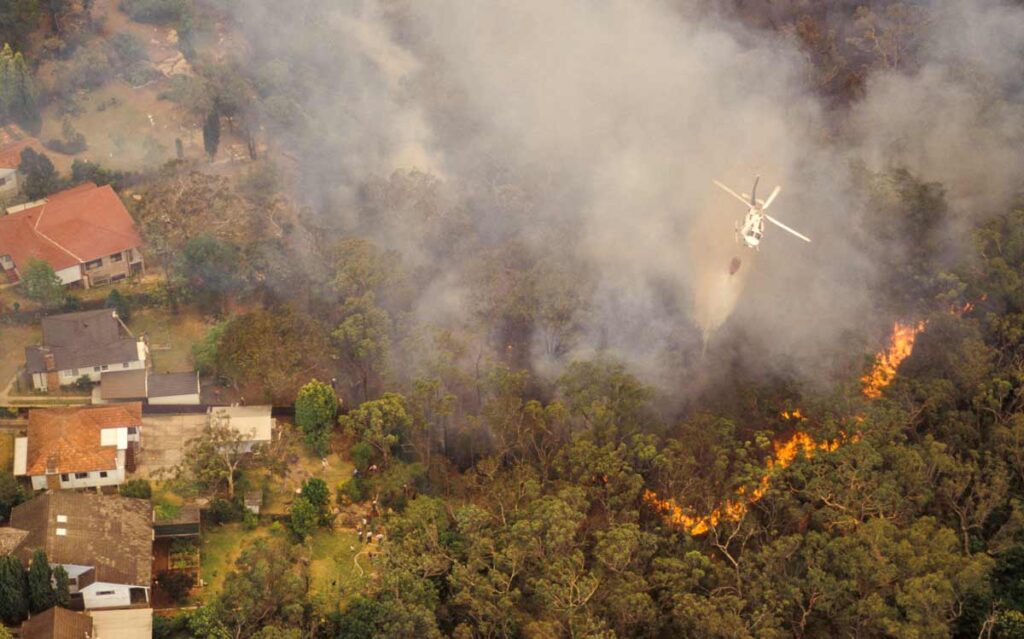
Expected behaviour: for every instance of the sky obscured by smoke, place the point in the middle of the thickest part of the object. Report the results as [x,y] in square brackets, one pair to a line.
[590,130]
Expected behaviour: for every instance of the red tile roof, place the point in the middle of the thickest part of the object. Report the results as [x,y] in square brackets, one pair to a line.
[74,226]
[10,155]
[67,440]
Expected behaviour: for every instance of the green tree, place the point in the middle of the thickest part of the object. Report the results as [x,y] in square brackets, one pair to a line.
[40,587]
[41,178]
[42,284]
[381,423]
[17,89]
[304,517]
[270,351]
[5,633]
[18,18]
[204,351]
[62,587]
[212,459]
[315,409]
[11,494]
[315,491]
[13,590]
[267,587]
[211,270]
[119,303]
[211,134]
[364,339]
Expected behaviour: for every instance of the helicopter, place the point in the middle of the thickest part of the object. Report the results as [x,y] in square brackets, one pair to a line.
[752,229]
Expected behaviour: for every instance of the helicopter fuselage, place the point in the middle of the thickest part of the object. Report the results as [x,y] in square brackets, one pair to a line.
[752,230]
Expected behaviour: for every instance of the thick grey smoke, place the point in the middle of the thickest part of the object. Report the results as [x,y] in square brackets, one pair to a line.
[591,131]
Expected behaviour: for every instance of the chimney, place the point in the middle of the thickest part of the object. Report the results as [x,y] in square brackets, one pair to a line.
[49,363]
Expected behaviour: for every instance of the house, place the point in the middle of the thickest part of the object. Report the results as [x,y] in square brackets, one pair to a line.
[175,389]
[104,542]
[84,343]
[253,422]
[84,233]
[79,447]
[10,160]
[58,623]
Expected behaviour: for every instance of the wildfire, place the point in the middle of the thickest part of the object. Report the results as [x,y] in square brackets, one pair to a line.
[901,345]
[733,510]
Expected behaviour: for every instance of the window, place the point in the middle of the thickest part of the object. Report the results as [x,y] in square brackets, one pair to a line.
[105,367]
[116,257]
[74,372]
[95,369]
[125,365]
[103,474]
[81,475]
[101,593]
[94,264]
[132,430]
[65,477]
[3,181]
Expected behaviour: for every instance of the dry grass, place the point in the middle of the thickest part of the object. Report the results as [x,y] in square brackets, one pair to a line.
[13,340]
[170,336]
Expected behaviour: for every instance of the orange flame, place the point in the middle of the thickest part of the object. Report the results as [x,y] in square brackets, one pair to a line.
[901,345]
[733,510]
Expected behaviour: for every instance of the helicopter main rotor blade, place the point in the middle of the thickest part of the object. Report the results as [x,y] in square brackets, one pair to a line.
[771,197]
[753,191]
[732,193]
[786,228]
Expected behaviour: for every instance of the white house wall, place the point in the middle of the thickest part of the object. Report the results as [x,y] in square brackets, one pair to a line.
[176,400]
[91,480]
[68,275]
[119,595]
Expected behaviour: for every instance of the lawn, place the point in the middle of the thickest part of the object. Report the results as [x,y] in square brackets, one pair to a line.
[220,547]
[278,492]
[170,336]
[6,452]
[332,570]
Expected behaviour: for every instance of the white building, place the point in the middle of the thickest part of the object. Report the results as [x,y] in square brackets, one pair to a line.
[254,423]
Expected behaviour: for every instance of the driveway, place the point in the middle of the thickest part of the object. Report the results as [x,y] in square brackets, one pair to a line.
[163,441]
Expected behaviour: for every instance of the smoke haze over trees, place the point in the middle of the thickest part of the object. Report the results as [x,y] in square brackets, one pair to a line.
[587,134]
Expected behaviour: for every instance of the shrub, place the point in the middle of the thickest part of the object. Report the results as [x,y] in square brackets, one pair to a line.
[352,491]
[73,141]
[304,517]
[128,49]
[82,384]
[139,488]
[250,520]
[227,510]
[177,584]
[361,454]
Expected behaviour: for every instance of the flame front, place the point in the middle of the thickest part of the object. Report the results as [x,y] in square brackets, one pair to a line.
[734,509]
[901,345]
